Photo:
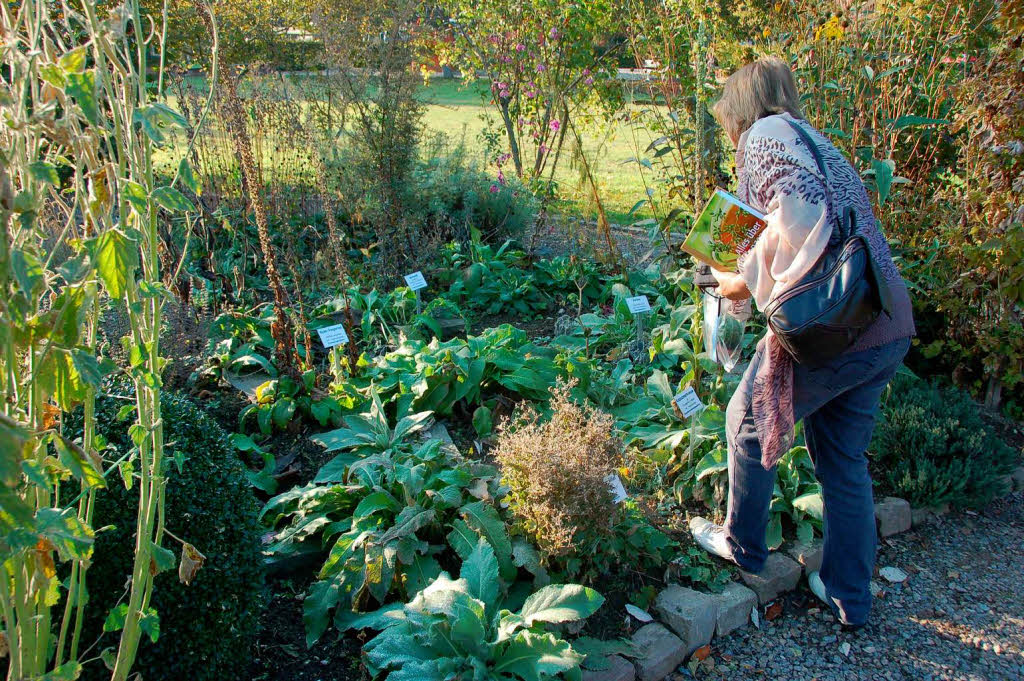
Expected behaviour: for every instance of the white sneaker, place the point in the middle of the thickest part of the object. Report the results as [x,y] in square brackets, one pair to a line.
[817,587]
[711,538]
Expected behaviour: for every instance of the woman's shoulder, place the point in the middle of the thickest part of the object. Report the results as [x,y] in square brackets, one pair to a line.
[776,126]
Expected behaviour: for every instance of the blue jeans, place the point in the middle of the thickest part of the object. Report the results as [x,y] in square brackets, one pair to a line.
[837,403]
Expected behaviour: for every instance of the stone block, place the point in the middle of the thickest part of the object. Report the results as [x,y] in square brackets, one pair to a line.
[690,614]
[808,555]
[780,574]
[893,516]
[659,652]
[619,669]
[1018,479]
[734,606]
[921,516]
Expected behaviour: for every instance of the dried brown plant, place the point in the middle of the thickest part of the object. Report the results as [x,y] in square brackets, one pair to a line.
[556,470]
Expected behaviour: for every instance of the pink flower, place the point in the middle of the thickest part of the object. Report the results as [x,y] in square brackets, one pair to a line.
[520,47]
[507,59]
[541,68]
[530,94]
[553,34]
[494,189]
[522,121]
[504,158]
[554,125]
[589,80]
[586,72]
[543,149]
[501,177]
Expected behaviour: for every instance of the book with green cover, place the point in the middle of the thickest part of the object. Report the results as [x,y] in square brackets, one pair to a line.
[726,229]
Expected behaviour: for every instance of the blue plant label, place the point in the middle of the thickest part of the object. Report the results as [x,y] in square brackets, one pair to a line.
[333,335]
[638,304]
[617,488]
[415,281]
[688,403]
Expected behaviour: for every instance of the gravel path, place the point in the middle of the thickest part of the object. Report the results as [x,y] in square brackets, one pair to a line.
[959,615]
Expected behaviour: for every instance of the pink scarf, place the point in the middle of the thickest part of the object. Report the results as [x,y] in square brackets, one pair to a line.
[772,400]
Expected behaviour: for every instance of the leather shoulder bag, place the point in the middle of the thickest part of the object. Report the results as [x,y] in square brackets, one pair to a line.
[821,316]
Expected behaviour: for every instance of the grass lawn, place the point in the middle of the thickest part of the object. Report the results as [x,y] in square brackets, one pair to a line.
[458,110]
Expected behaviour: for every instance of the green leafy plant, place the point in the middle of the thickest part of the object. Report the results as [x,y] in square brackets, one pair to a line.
[797,495]
[198,625]
[389,510]
[280,400]
[466,626]
[931,446]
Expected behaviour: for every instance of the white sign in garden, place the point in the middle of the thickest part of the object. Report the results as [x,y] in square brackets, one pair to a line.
[415,281]
[333,335]
[638,304]
[616,487]
[688,402]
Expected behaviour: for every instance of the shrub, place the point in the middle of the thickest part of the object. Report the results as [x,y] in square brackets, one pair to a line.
[207,629]
[931,447]
[455,195]
[556,473]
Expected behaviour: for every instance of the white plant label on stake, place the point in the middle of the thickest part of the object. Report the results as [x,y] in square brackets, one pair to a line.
[638,304]
[688,402]
[415,281]
[615,485]
[333,335]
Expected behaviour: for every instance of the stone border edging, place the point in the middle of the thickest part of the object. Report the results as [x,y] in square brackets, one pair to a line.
[689,620]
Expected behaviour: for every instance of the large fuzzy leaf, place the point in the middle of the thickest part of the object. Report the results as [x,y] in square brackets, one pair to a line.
[420,573]
[536,656]
[812,504]
[322,597]
[483,518]
[561,603]
[480,571]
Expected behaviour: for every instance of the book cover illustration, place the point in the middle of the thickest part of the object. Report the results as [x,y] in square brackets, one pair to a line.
[726,229]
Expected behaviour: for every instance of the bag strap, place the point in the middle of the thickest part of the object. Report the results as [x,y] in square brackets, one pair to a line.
[848,223]
[846,218]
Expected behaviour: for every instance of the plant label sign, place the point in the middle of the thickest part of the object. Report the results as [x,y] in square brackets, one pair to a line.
[333,335]
[618,490]
[688,403]
[415,281]
[638,304]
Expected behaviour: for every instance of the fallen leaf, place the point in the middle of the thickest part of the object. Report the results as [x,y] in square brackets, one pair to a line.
[953,574]
[773,611]
[50,414]
[893,575]
[639,613]
[191,561]
[755,618]
[701,652]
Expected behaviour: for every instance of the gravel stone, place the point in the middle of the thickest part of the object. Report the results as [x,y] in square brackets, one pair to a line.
[780,574]
[893,516]
[690,614]
[957,618]
[659,652]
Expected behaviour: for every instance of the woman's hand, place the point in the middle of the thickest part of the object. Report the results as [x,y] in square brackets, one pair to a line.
[730,285]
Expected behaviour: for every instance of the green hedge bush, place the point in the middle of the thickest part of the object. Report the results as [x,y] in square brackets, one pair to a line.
[931,446]
[207,630]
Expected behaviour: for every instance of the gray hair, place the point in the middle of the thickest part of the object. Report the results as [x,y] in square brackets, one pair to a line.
[761,88]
